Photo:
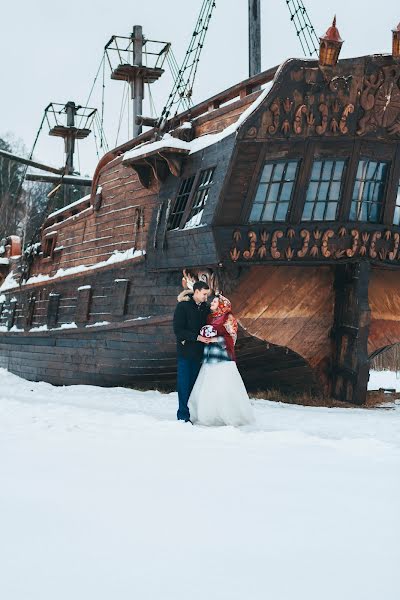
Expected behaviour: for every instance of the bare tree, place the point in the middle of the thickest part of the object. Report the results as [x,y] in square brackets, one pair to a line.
[24,205]
[11,197]
[36,205]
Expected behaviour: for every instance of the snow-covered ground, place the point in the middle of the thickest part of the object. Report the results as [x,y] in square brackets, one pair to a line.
[104,496]
[384,379]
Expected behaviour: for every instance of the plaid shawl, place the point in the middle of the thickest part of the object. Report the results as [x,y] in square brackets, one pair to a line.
[216,352]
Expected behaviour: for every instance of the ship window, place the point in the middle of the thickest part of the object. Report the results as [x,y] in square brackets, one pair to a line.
[180,203]
[200,198]
[368,191]
[396,218]
[274,192]
[324,188]
[49,245]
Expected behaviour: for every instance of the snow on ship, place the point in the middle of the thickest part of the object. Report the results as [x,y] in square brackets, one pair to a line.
[282,191]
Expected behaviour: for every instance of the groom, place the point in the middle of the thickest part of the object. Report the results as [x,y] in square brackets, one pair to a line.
[189,317]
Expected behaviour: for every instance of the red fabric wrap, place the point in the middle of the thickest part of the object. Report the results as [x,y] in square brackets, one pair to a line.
[218,322]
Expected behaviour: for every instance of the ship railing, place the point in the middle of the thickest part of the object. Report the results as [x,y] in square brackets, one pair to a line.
[239,91]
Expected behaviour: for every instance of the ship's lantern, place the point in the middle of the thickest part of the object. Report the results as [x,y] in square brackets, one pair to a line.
[396,42]
[330,46]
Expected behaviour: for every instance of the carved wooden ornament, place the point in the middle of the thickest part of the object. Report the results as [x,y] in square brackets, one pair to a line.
[314,244]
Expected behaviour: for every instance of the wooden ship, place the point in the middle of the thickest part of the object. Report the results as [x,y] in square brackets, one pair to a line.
[282,191]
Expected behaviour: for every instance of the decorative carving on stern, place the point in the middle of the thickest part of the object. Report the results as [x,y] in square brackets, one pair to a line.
[258,245]
[316,104]
[380,100]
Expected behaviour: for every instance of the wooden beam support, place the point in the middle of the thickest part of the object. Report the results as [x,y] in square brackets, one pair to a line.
[30,163]
[350,365]
[147,121]
[66,180]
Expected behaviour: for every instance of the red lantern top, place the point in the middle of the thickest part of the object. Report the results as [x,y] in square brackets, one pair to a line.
[333,35]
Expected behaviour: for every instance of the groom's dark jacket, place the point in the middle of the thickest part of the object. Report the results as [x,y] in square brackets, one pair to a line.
[189,318]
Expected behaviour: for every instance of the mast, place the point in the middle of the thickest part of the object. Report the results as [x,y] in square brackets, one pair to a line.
[125,57]
[137,83]
[66,128]
[70,109]
[254,37]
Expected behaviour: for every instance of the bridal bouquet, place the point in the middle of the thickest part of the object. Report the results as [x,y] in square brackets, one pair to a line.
[208,331]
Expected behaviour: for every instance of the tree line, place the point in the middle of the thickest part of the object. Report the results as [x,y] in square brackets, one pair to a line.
[24,204]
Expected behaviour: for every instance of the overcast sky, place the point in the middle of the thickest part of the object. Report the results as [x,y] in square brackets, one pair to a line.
[50,51]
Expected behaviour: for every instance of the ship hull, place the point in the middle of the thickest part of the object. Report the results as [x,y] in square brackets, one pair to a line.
[141,354]
[121,354]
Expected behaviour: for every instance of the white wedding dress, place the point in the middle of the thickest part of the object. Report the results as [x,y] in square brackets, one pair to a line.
[219,396]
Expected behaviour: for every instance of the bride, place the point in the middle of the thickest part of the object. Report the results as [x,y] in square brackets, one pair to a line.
[219,396]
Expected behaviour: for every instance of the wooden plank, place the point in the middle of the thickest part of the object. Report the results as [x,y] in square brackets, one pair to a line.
[11,313]
[30,310]
[83,304]
[52,309]
[120,297]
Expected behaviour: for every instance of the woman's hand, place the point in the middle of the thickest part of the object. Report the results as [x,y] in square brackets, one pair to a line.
[204,340]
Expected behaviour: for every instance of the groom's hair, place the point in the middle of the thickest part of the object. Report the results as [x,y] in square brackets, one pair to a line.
[201,285]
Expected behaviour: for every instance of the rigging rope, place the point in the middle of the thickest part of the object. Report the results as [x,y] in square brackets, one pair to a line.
[125,95]
[173,64]
[101,133]
[95,143]
[153,110]
[304,28]
[128,120]
[92,88]
[182,89]
[103,90]
[79,157]
[100,124]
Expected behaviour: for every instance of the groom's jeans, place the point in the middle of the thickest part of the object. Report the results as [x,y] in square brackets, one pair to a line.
[188,370]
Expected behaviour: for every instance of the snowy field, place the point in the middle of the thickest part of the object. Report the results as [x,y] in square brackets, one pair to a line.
[384,379]
[104,496]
